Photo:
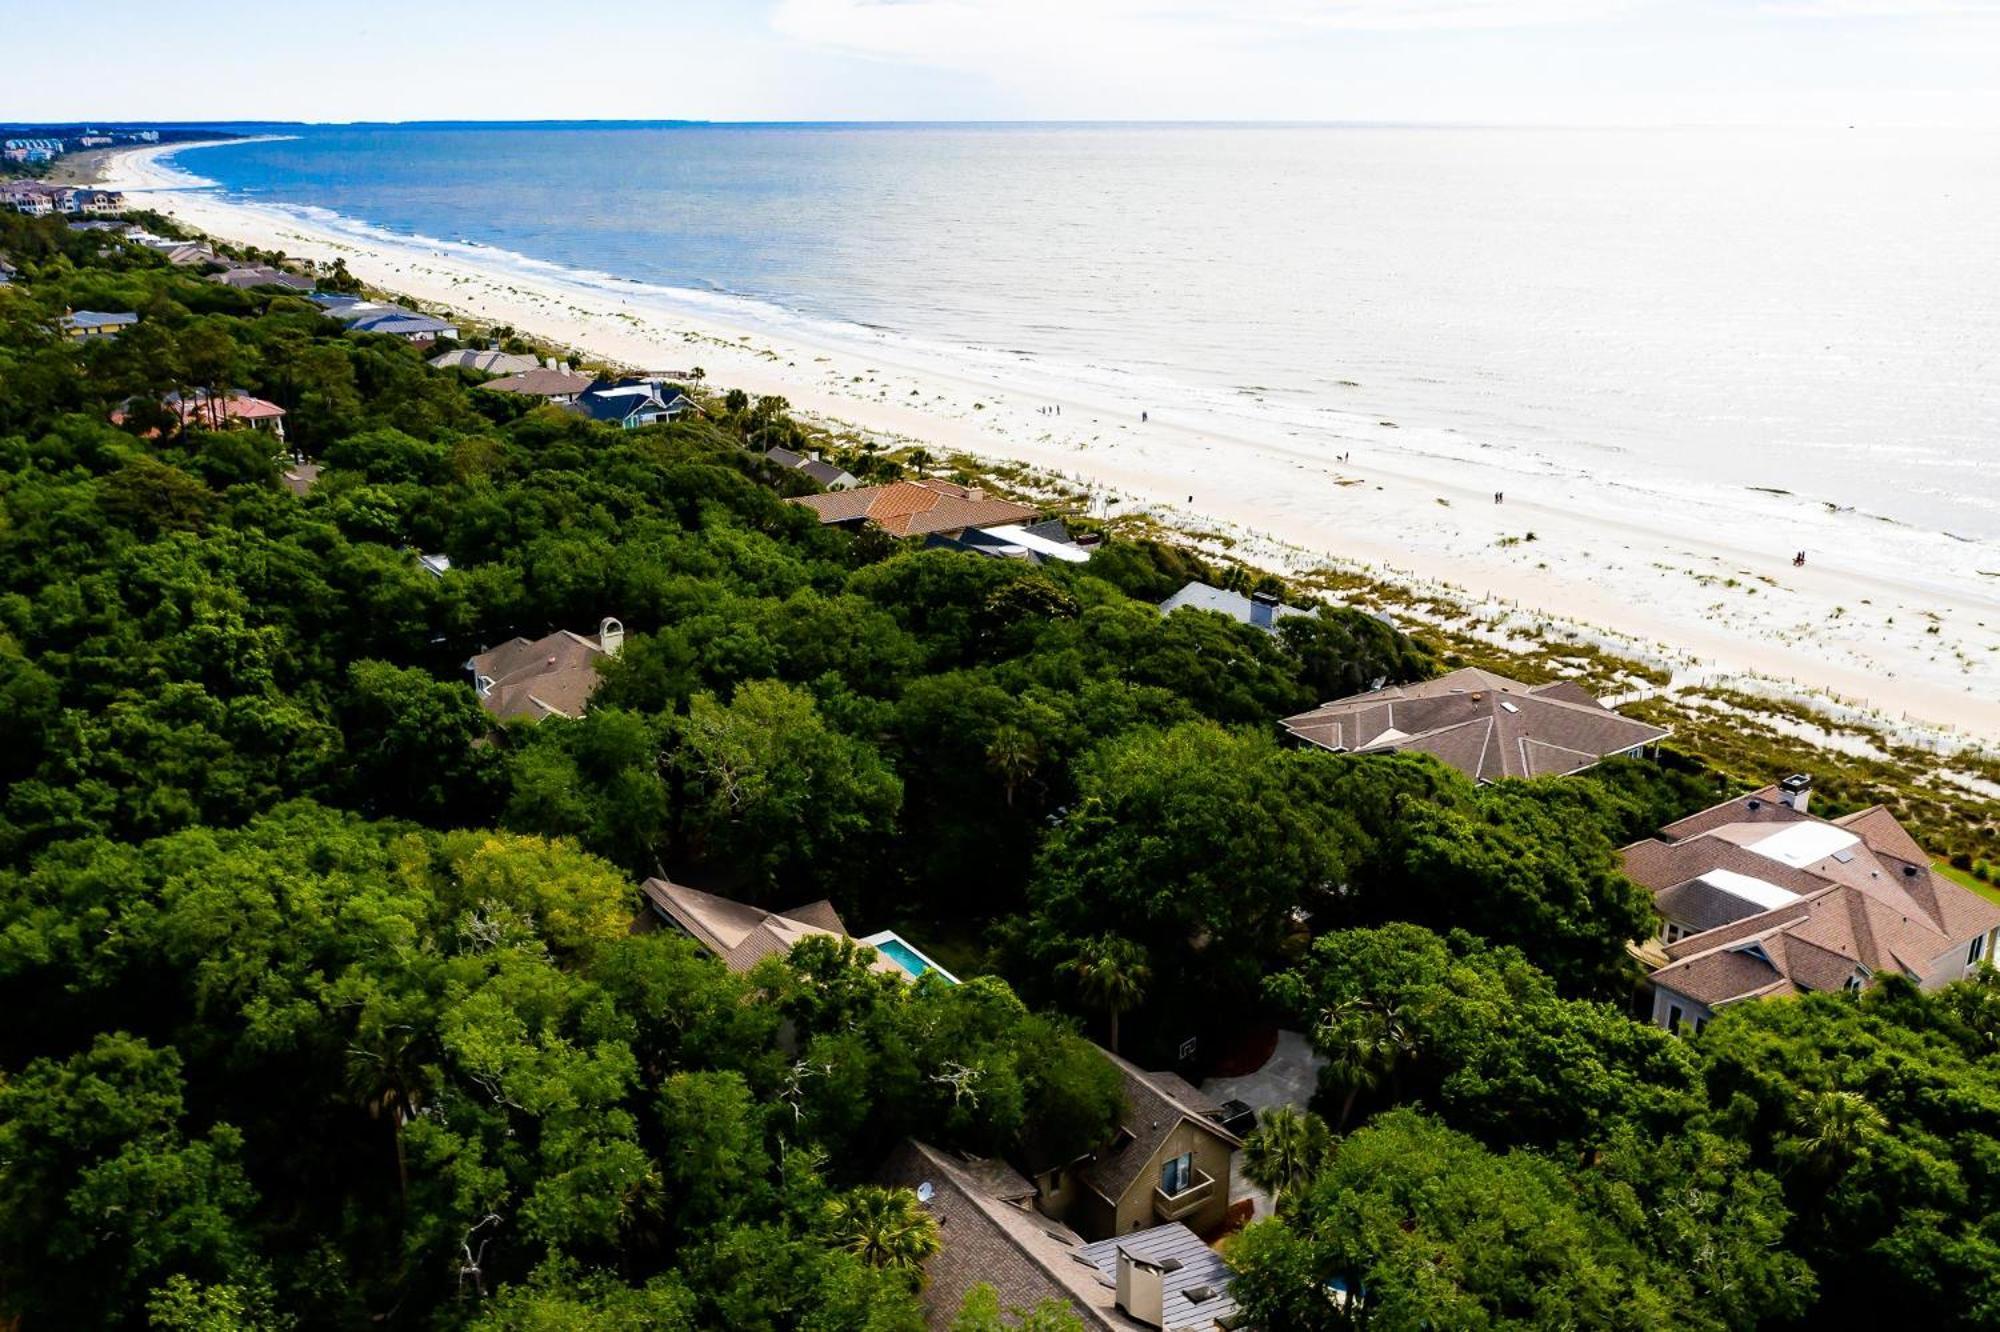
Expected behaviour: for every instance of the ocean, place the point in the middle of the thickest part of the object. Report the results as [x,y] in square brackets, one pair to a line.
[1749,316]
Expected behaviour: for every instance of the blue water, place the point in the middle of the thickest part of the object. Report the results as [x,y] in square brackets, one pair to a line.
[1693,312]
[904,956]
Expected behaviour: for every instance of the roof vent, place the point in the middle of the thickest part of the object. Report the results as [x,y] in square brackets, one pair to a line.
[1909,871]
[1199,1294]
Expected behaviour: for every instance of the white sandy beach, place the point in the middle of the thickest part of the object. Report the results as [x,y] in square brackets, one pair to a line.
[1900,623]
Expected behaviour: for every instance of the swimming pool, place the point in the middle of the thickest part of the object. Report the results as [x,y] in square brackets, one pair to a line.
[906,955]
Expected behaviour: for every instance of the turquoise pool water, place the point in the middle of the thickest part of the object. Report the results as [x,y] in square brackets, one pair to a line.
[908,958]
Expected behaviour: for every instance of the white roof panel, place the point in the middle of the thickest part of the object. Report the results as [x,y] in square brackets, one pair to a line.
[1015,534]
[1802,844]
[1767,895]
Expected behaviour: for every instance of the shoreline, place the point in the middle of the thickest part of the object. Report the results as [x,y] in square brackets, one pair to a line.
[1678,581]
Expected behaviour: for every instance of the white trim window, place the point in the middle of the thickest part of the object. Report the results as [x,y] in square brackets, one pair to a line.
[1977,951]
[1177,1175]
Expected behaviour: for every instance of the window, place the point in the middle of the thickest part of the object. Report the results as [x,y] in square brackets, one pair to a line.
[1177,1174]
[1673,1017]
[1977,951]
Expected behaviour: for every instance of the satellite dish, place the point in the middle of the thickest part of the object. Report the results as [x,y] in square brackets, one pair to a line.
[924,1192]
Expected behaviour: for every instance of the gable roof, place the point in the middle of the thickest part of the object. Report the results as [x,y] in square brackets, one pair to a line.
[99,319]
[540,383]
[1779,900]
[914,508]
[1243,609]
[485,360]
[555,674]
[1485,725]
[1155,1104]
[743,935]
[987,1235]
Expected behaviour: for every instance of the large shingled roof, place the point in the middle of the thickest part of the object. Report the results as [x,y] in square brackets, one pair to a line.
[1485,725]
[1776,900]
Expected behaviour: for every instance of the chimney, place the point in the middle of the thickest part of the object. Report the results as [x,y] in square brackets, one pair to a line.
[1795,792]
[554,364]
[1263,610]
[610,635]
[1142,1289]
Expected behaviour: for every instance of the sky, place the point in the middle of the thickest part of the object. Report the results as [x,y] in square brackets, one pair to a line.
[1565,62]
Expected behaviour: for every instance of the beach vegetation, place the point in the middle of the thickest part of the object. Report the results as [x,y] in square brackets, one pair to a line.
[331,1002]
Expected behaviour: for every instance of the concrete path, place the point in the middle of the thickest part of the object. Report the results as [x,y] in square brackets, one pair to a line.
[1289,1077]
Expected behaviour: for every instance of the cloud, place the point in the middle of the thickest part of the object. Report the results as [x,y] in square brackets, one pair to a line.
[978,34]
[1852,9]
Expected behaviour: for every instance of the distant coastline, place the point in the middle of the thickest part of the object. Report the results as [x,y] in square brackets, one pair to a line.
[1904,646]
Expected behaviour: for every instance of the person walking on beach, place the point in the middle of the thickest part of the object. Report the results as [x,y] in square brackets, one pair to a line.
[1142,418]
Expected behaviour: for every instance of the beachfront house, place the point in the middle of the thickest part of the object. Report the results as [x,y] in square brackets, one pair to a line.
[83,325]
[828,475]
[97,202]
[365,316]
[914,508]
[743,935]
[485,361]
[1045,542]
[246,276]
[1168,1161]
[631,403]
[1260,610]
[1758,897]
[1485,725]
[551,385]
[1160,1277]
[553,676]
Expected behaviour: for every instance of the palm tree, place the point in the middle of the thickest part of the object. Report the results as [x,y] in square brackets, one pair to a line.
[385,1073]
[1287,1150]
[1837,1126]
[1012,756]
[883,1227]
[1365,1044]
[1112,973]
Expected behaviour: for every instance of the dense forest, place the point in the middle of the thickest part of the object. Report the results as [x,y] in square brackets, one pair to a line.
[324,1005]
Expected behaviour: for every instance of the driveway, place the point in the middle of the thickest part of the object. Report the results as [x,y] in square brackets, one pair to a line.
[1289,1077]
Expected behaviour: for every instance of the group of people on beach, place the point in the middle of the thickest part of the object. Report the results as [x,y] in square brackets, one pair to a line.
[1799,560]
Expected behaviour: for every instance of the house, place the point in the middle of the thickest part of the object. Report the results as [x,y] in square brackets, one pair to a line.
[557,386]
[631,403]
[1169,1161]
[97,202]
[84,324]
[246,276]
[37,199]
[230,410]
[100,225]
[491,361]
[404,324]
[552,676]
[300,476]
[914,508]
[743,935]
[179,253]
[7,272]
[365,316]
[1260,610]
[1032,543]
[1759,897]
[829,476]
[1485,725]
[437,566]
[1163,1277]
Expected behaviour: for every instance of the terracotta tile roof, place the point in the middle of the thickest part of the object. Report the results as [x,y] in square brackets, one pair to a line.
[914,508]
[1485,725]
